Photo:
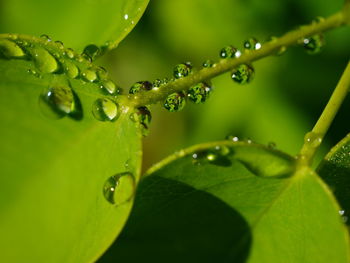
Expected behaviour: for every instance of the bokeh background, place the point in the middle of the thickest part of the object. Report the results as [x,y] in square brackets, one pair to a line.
[280,105]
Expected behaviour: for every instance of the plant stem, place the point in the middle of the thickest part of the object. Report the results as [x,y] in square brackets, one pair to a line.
[314,138]
[224,65]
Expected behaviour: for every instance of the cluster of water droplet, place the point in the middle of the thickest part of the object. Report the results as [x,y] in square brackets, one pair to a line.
[51,57]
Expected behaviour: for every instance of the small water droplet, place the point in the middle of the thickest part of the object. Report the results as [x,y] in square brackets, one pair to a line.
[105,110]
[71,69]
[119,189]
[70,53]
[10,49]
[219,155]
[208,63]
[199,93]
[109,87]
[89,75]
[341,212]
[34,73]
[175,102]
[43,60]
[126,16]
[140,86]
[91,51]
[313,139]
[243,74]
[182,70]
[57,102]
[143,116]
[59,44]
[102,73]
[232,138]
[157,83]
[229,52]
[45,37]
[252,44]
[313,44]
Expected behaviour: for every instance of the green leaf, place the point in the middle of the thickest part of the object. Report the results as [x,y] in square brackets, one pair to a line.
[335,171]
[75,22]
[54,161]
[248,204]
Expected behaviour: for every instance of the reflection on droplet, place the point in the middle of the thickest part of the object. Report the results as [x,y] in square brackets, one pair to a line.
[105,110]
[182,70]
[89,75]
[243,74]
[92,51]
[119,189]
[109,87]
[175,102]
[313,139]
[199,93]
[71,69]
[57,102]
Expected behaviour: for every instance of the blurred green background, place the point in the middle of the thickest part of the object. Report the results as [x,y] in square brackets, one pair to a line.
[280,105]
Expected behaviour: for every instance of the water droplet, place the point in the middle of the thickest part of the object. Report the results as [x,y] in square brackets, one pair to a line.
[208,63]
[43,60]
[57,102]
[45,37]
[91,51]
[71,69]
[318,19]
[143,116]
[70,53]
[182,70]
[229,52]
[165,81]
[313,44]
[341,212]
[89,75]
[252,44]
[218,155]
[345,219]
[199,93]
[243,74]
[313,139]
[109,87]
[126,16]
[105,110]
[140,86]
[175,102]
[157,83]
[59,44]
[232,138]
[120,188]
[10,49]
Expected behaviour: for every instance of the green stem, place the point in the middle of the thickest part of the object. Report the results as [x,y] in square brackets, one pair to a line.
[314,138]
[224,65]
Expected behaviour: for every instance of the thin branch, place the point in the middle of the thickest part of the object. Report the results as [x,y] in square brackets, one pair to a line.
[225,65]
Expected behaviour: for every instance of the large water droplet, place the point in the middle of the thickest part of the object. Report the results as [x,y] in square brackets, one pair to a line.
[57,102]
[182,70]
[199,93]
[243,74]
[119,189]
[252,44]
[105,110]
[89,75]
[175,102]
[140,86]
[43,60]
[143,116]
[313,44]
[10,49]
[229,52]
[91,51]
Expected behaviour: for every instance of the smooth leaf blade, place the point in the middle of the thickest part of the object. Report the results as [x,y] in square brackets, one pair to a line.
[53,170]
[335,171]
[77,23]
[257,218]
